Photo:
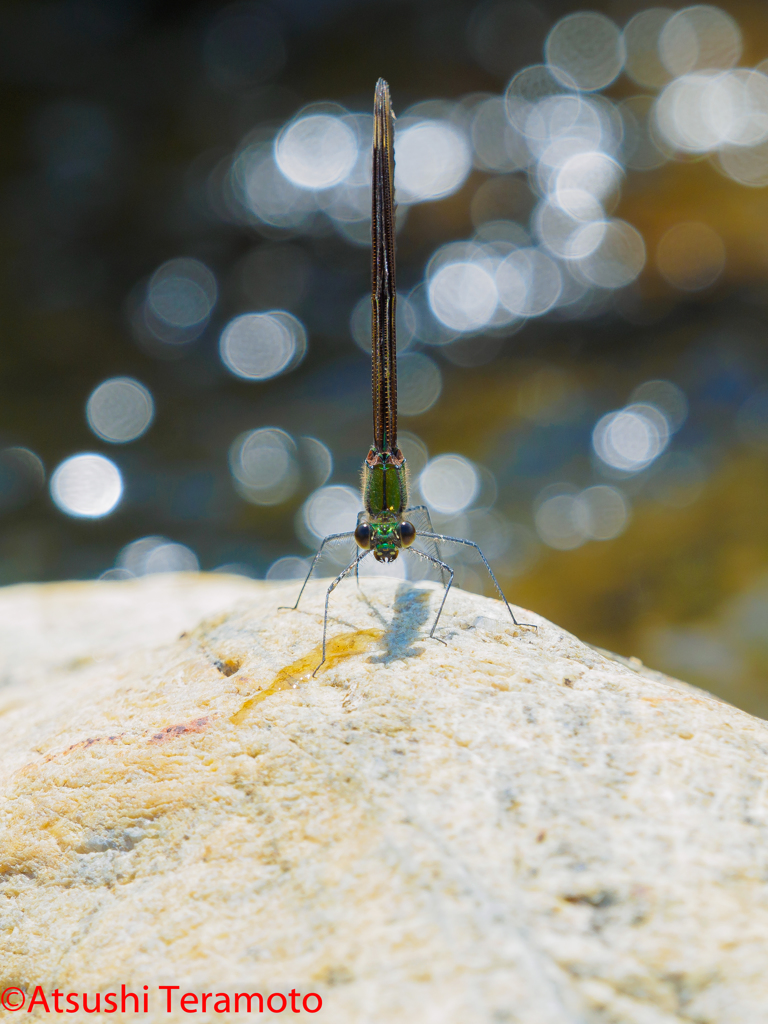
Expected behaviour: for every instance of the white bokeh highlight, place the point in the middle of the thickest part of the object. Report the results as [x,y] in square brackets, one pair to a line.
[150,555]
[463,295]
[259,346]
[432,160]
[87,486]
[181,295]
[120,410]
[449,484]
[586,49]
[331,509]
[565,518]
[317,151]
[631,438]
[699,37]
[264,466]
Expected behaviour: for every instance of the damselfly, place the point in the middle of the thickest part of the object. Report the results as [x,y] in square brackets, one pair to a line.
[385,526]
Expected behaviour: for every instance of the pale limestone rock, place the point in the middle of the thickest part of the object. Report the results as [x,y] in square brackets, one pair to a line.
[512,827]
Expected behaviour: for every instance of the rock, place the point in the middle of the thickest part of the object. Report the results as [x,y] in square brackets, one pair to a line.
[510,827]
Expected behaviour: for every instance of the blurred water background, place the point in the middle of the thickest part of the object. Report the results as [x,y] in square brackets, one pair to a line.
[583,275]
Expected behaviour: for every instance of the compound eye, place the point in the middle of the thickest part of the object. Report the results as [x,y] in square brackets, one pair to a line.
[407,533]
[363,535]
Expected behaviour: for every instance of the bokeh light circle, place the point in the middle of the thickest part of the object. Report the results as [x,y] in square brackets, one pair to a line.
[699,37]
[260,189]
[463,295]
[609,254]
[316,151]
[120,410]
[585,48]
[603,512]
[557,219]
[171,557]
[709,110]
[263,463]
[331,509]
[746,165]
[630,439]
[565,519]
[182,293]
[537,104]
[87,486]
[258,346]
[449,483]
[559,523]
[593,172]
[432,160]
[739,107]
[149,555]
[529,282]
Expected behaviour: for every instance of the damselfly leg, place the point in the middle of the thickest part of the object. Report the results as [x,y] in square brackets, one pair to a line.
[470,543]
[329,591]
[326,540]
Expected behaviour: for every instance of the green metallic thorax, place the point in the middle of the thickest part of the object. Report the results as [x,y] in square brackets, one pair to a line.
[385,487]
[385,497]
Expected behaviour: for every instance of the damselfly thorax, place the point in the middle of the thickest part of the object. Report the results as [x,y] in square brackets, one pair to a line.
[382,527]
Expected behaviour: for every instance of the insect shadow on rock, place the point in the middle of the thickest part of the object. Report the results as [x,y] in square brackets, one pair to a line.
[410,612]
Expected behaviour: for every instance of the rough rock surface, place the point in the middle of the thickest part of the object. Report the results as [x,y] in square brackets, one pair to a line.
[511,827]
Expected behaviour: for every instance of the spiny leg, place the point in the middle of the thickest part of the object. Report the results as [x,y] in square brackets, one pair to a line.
[425,511]
[332,536]
[420,508]
[471,544]
[431,558]
[329,591]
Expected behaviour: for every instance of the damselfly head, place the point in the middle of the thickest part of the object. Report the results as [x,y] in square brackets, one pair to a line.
[384,537]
